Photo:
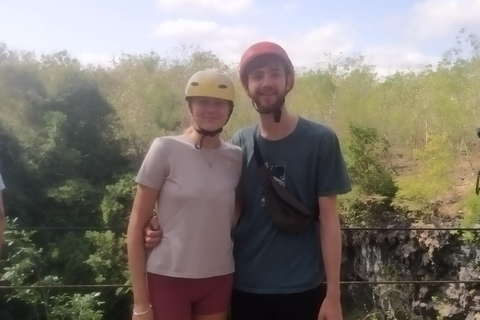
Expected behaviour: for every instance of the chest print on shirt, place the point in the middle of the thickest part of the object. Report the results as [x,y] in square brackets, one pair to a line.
[278,175]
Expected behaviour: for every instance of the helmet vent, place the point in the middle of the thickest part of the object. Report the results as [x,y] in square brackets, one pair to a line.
[222,86]
[195,84]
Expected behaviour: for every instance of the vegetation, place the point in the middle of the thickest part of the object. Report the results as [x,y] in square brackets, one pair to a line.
[72,138]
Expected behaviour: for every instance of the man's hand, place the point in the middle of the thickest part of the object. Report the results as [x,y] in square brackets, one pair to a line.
[331,309]
[153,234]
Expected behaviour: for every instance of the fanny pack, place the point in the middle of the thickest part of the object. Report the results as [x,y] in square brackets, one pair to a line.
[287,213]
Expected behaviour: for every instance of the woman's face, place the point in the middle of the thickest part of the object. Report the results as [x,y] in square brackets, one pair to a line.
[209,113]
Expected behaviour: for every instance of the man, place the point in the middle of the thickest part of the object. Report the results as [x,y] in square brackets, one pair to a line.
[2,214]
[278,276]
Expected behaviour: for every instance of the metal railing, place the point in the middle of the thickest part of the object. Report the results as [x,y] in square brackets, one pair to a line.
[342,228]
[123,229]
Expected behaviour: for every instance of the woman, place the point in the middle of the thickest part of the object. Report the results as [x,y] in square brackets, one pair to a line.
[190,180]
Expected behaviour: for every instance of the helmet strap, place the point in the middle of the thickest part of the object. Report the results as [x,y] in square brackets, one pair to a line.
[203,133]
[254,105]
[276,109]
[277,114]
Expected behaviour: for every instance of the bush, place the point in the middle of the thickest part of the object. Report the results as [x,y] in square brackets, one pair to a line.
[367,155]
[420,191]
[360,210]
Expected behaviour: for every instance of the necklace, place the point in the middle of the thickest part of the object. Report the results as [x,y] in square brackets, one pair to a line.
[210,162]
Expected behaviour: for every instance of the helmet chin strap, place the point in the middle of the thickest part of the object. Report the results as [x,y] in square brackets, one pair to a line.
[276,109]
[203,133]
[277,114]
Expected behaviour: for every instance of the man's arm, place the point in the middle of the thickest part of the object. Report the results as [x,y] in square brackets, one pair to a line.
[239,204]
[331,243]
[2,221]
[153,234]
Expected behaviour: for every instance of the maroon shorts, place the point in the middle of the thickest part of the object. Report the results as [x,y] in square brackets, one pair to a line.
[180,298]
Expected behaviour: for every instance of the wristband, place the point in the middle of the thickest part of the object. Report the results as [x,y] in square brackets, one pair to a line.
[142,313]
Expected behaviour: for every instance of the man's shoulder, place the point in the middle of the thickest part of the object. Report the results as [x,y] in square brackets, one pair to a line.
[245,131]
[230,147]
[316,129]
[241,135]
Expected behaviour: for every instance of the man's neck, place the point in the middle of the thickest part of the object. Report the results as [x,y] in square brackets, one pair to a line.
[272,130]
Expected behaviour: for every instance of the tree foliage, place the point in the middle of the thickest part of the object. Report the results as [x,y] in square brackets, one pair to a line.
[72,138]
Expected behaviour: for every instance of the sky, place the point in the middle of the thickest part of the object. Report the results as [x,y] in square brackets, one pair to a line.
[390,34]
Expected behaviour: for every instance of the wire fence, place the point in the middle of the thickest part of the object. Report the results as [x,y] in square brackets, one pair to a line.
[110,286]
[59,229]
[123,229]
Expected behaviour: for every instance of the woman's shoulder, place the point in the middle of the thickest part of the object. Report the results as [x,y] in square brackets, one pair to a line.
[168,141]
[231,147]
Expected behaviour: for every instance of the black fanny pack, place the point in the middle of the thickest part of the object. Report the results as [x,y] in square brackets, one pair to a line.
[288,213]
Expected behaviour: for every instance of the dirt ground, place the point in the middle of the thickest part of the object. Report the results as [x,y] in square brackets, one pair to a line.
[463,174]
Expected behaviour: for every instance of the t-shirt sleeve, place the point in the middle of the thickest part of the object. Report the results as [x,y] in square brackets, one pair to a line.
[155,166]
[2,186]
[332,174]
[236,139]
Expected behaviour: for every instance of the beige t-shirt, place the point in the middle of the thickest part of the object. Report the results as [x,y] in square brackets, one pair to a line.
[195,206]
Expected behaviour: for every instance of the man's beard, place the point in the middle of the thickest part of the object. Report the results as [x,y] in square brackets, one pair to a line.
[277,105]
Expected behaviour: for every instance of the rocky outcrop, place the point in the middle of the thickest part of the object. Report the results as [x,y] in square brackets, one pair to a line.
[429,255]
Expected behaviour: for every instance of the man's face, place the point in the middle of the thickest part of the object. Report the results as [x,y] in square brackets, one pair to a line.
[267,85]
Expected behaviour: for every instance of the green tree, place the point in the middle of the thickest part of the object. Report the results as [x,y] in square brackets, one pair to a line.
[368,163]
[26,266]
[421,190]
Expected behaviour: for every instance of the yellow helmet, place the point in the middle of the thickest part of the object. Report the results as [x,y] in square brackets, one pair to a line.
[210,83]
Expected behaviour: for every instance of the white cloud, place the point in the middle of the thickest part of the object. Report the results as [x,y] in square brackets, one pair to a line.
[305,49]
[309,48]
[439,18]
[393,21]
[101,59]
[232,7]
[204,32]
[427,23]
[388,59]
[185,28]
[227,42]
[289,6]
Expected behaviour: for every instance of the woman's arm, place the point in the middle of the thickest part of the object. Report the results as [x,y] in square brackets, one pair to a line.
[143,206]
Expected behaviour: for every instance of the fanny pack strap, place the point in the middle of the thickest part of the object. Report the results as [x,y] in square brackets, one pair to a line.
[477,187]
[256,149]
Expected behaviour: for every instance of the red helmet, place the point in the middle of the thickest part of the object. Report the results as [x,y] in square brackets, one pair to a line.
[262,48]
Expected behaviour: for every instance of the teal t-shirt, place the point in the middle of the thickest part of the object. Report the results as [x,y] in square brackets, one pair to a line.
[309,163]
